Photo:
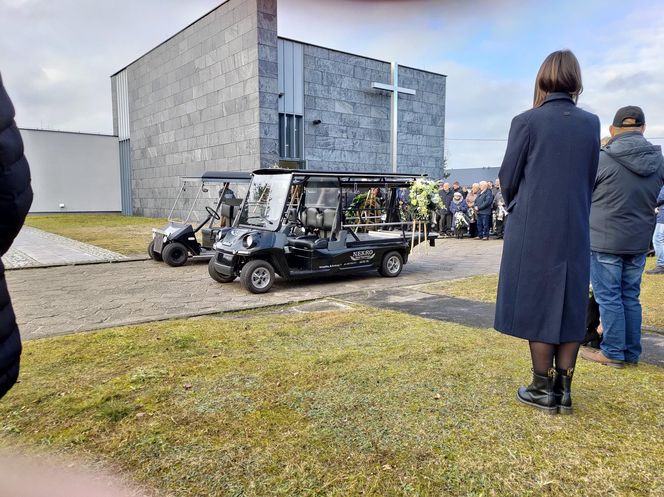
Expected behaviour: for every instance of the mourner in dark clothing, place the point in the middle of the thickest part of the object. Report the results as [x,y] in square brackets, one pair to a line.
[545,268]
[445,216]
[622,220]
[15,201]
[483,206]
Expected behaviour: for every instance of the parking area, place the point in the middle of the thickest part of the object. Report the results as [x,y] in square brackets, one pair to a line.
[61,300]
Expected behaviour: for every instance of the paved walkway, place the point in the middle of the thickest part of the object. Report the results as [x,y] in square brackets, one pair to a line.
[59,300]
[34,247]
[468,313]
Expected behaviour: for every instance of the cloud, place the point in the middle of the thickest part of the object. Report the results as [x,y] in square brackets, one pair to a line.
[56,57]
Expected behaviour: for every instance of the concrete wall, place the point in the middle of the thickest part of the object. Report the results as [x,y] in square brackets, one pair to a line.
[79,170]
[354,133]
[196,102]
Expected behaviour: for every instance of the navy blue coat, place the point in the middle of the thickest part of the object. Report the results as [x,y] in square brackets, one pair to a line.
[547,178]
[15,201]
[484,202]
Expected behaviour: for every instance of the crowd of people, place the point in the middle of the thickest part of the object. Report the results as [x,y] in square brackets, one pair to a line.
[477,211]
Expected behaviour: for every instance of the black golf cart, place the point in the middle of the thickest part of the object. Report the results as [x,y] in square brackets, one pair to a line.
[301,223]
[213,198]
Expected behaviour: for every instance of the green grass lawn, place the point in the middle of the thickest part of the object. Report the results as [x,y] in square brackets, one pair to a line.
[365,402]
[128,235]
[483,289]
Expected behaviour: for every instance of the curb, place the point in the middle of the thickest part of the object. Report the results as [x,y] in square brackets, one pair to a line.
[652,329]
[82,263]
[172,317]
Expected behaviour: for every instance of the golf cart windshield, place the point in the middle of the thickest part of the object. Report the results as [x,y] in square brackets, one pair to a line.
[265,201]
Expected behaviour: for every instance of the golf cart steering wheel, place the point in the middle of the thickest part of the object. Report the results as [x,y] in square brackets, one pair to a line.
[213,214]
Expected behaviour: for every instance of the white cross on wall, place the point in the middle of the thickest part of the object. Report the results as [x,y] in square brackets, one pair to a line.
[394,89]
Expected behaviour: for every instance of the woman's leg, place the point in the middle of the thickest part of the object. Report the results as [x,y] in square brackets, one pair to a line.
[565,361]
[566,355]
[542,355]
[540,392]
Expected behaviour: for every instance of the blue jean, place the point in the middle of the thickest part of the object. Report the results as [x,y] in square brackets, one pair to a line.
[616,281]
[483,224]
[658,242]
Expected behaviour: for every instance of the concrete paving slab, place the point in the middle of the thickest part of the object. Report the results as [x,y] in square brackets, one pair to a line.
[34,247]
[60,300]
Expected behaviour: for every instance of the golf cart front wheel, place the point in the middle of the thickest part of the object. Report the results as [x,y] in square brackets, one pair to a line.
[257,276]
[392,265]
[153,255]
[217,276]
[175,254]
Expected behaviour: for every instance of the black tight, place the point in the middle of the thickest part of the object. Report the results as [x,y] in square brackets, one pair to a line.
[543,355]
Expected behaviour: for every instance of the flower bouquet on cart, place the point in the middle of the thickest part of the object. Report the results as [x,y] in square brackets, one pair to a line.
[424,202]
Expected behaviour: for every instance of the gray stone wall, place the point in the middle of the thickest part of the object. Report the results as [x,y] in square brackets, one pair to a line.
[354,133]
[196,101]
[420,148]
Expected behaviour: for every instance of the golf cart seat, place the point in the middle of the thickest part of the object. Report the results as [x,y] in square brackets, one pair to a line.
[313,218]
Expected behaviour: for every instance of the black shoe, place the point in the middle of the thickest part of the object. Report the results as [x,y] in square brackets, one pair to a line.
[562,388]
[540,393]
[656,270]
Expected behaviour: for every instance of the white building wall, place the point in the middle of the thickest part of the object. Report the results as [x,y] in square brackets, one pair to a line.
[81,171]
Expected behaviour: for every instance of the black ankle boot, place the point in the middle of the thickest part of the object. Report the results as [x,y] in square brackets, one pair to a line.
[540,393]
[562,389]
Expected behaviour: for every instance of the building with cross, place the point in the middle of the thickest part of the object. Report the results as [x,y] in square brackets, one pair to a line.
[227,93]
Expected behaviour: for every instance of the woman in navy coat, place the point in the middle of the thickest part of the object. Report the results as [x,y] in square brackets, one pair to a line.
[547,177]
[15,200]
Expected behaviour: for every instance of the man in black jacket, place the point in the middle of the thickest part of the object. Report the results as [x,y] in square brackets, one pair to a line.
[622,219]
[445,217]
[15,201]
[483,206]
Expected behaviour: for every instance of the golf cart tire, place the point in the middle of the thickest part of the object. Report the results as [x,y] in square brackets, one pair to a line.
[253,276]
[217,276]
[392,264]
[153,255]
[175,254]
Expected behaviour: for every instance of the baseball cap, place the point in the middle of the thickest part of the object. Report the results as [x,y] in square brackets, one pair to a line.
[629,112]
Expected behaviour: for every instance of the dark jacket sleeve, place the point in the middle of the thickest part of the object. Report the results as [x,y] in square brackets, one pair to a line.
[15,190]
[511,170]
[660,198]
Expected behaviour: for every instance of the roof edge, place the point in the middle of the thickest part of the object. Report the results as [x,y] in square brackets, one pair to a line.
[170,38]
[360,55]
[21,128]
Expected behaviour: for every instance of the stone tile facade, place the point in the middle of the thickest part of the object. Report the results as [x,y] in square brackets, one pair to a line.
[197,101]
[207,99]
[354,133]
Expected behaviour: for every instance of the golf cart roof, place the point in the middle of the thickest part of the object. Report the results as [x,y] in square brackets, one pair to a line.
[221,177]
[346,176]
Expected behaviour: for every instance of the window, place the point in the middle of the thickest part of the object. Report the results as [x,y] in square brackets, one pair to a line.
[290,136]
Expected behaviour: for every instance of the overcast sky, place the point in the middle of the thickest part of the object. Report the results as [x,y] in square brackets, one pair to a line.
[56,56]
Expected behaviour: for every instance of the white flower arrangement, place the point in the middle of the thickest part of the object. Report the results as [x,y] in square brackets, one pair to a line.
[424,198]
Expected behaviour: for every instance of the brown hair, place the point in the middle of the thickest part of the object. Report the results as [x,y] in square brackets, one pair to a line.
[560,72]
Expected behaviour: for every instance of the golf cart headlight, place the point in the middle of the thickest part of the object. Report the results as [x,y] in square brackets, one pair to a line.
[250,241]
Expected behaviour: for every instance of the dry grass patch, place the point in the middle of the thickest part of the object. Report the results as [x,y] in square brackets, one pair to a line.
[483,289]
[365,402]
[128,235]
